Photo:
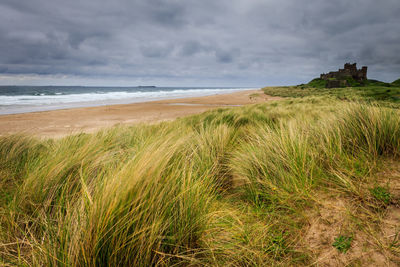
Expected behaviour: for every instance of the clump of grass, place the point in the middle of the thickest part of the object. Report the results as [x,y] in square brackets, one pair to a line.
[152,211]
[20,152]
[372,130]
[381,194]
[342,243]
[278,246]
[276,159]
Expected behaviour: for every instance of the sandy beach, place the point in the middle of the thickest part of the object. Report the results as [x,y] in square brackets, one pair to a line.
[59,123]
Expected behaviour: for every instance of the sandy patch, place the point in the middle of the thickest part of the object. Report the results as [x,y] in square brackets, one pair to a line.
[376,234]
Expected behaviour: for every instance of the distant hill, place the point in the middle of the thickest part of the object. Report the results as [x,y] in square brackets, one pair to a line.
[321,83]
[348,76]
[377,83]
[396,82]
[317,83]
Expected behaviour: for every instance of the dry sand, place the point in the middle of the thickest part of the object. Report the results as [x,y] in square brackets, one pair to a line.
[58,123]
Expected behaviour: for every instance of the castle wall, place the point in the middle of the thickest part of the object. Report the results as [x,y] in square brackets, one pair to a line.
[349,70]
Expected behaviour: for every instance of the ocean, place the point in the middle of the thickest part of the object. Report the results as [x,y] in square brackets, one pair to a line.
[22,99]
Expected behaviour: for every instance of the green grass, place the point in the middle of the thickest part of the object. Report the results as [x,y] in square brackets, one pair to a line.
[383,95]
[316,83]
[396,82]
[234,186]
[381,194]
[353,83]
[368,85]
[371,82]
[321,83]
[342,243]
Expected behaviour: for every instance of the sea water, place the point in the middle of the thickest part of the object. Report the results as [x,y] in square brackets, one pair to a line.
[21,99]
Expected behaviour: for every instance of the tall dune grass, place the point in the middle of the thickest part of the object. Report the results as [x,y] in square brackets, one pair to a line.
[200,190]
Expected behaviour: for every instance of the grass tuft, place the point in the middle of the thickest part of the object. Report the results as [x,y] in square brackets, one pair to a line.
[342,243]
[381,194]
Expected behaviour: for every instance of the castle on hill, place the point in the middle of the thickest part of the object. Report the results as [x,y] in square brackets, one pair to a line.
[339,78]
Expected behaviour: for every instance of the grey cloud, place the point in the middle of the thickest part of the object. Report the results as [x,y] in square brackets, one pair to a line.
[166,13]
[156,50]
[226,56]
[190,48]
[239,42]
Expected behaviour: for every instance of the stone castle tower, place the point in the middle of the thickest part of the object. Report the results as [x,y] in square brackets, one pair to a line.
[339,78]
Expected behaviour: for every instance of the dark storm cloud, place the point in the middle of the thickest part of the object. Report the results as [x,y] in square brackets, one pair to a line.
[236,42]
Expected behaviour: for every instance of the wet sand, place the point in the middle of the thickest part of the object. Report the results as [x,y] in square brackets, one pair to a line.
[57,123]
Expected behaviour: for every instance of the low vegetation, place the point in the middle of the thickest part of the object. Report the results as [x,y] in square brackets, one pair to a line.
[342,243]
[396,82]
[381,194]
[291,182]
[349,82]
[371,94]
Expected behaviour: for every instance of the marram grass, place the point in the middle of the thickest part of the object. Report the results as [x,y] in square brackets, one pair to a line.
[227,187]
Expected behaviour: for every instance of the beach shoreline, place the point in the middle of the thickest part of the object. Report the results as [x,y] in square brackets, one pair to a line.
[61,122]
[27,99]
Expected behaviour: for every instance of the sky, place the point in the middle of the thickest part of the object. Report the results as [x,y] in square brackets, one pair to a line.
[250,43]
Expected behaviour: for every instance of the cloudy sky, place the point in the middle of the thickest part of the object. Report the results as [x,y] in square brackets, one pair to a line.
[192,42]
